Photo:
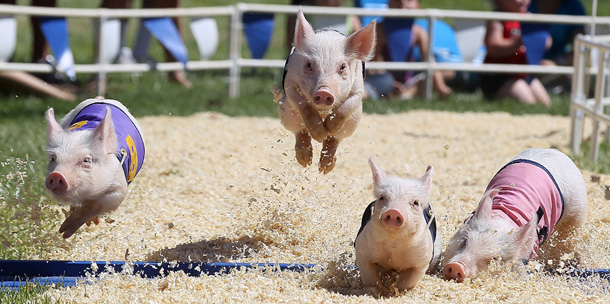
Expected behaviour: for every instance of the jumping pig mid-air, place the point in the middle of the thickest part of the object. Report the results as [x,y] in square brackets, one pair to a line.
[541,191]
[94,152]
[322,88]
[398,231]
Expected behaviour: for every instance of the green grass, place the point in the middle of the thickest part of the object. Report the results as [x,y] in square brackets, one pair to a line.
[27,225]
[28,294]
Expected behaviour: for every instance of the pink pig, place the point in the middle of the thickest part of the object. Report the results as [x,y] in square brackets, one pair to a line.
[540,192]
[398,230]
[94,154]
[322,88]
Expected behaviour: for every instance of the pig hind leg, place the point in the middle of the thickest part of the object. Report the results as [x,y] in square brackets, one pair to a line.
[574,191]
[303,148]
[327,157]
[565,235]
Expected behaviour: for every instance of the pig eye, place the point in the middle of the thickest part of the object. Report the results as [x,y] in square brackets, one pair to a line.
[52,158]
[381,198]
[87,160]
[343,67]
[309,66]
[416,203]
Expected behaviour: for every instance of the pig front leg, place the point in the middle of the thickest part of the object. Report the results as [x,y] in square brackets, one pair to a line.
[89,211]
[309,114]
[345,118]
[314,123]
[407,279]
[369,273]
[86,213]
[327,157]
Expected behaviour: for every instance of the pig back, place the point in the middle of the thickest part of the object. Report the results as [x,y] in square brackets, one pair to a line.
[130,149]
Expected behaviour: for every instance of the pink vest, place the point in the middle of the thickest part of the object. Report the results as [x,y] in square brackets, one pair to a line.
[526,187]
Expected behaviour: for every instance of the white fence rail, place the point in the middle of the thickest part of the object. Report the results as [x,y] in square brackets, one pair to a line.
[234,63]
[591,63]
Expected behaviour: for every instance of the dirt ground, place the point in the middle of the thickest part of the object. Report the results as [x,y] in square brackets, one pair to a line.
[215,188]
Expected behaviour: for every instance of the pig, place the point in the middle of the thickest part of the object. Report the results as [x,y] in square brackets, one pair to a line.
[539,192]
[398,230]
[322,88]
[94,153]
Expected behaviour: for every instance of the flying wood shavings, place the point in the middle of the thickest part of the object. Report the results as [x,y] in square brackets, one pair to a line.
[216,188]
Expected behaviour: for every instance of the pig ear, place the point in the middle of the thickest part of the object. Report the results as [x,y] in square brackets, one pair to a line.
[378,174]
[484,209]
[362,43]
[426,179]
[303,31]
[52,125]
[524,238]
[105,133]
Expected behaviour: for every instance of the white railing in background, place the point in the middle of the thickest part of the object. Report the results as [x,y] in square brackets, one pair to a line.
[234,63]
[591,63]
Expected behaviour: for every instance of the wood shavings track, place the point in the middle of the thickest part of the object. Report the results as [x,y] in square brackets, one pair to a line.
[215,188]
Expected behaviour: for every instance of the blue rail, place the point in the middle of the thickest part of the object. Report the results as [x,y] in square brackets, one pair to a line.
[17,273]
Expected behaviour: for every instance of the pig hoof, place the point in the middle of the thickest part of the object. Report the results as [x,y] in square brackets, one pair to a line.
[304,157]
[327,164]
[95,220]
[372,291]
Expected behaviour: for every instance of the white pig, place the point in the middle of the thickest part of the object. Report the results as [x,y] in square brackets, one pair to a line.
[398,230]
[94,154]
[322,88]
[541,191]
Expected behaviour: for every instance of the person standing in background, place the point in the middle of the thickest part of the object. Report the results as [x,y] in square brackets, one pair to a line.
[505,46]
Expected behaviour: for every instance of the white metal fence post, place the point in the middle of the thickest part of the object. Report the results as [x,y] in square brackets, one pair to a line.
[578,95]
[598,108]
[101,74]
[430,59]
[235,50]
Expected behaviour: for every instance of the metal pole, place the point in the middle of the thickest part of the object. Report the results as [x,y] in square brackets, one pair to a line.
[101,74]
[578,96]
[430,59]
[235,50]
[598,107]
[593,17]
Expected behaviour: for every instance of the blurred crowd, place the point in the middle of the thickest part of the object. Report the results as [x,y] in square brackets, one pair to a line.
[503,42]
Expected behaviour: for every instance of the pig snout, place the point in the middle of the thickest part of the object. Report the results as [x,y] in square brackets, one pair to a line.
[455,271]
[57,183]
[323,96]
[393,218]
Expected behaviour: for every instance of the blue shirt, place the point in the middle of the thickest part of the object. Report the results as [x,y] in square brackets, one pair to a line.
[444,46]
[562,34]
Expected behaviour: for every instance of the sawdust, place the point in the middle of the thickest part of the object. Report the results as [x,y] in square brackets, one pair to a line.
[215,188]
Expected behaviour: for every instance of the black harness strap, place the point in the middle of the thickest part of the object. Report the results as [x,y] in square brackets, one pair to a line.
[368,212]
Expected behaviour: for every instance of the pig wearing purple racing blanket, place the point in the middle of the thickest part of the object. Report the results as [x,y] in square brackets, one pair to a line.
[94,153]
[539,193]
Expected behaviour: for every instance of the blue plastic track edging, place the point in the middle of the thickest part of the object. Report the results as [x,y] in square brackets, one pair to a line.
[17,273]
